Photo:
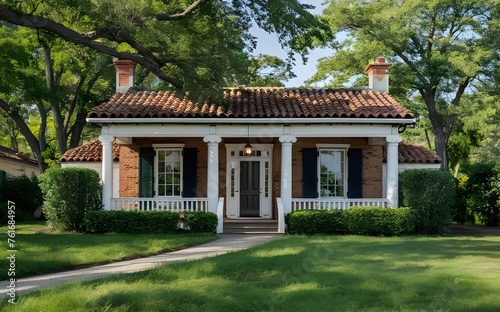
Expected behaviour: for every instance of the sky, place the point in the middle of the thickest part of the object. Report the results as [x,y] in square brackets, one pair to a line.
[268,44]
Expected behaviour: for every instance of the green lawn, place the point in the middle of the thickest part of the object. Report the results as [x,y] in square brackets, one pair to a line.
[296,273]
[39,253]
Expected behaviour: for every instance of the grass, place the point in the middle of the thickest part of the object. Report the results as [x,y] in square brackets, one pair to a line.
[297,273]
[39,253]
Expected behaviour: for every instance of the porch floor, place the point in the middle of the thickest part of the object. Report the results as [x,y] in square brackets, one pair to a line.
[250,226]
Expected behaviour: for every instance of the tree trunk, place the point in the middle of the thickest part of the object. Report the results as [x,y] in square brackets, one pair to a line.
[53,100]
[441,141]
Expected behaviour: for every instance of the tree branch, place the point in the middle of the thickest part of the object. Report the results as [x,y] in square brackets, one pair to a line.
[177,16]
[38,22]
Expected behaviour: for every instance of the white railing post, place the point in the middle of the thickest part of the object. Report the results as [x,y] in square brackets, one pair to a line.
[281,216]
[220,216]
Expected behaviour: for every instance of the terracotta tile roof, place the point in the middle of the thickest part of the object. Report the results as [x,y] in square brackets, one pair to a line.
[256,103]
[91,151]
[414,154]
[11,154]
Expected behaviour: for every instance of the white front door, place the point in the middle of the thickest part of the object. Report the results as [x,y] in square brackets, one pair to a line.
[249,191]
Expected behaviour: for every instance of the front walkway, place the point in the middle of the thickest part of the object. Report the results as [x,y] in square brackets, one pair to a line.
[226,243]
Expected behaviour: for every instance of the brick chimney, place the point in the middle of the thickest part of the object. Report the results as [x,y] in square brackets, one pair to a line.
[124,75]
[378,75]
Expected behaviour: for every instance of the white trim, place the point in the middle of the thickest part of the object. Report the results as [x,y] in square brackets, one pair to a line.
[166,145]
[252,120]
[338,146]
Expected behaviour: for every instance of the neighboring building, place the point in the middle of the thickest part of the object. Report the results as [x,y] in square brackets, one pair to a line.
[261,154]
[16,164]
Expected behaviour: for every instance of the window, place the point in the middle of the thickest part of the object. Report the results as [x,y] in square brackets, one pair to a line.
[169,172]
[332,173]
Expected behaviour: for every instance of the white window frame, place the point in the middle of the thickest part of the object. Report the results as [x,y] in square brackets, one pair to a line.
[168,147]
[343,148]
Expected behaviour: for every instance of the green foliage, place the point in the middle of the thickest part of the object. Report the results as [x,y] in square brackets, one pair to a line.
[431,195]
[483,192]
[372,221]
[137,222]
[311,222]
[68,194]
[462,213]
[378,221]
[201,222]
[26,195]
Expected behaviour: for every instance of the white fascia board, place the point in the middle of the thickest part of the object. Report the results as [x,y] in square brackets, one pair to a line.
[239,130]
[393,121]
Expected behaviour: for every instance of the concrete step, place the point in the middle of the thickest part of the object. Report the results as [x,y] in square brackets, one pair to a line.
[250,226]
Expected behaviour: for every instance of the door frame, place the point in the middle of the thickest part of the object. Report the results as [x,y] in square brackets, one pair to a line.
[233,159]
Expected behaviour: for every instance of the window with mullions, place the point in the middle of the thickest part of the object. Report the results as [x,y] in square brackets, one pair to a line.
[332,173]
[169,175]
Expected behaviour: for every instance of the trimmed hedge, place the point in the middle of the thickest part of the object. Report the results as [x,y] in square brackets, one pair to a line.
[316,222]
[201,222]
[107,221]
[431,194]
[68,194]
[23,191]
[373,221]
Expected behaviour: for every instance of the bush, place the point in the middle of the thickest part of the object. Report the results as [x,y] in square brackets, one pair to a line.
[68,194]
[201,222]
[379,221]
[430,194]
[375,221]
[108,221]
[315,222]
[483,192]
[25,193]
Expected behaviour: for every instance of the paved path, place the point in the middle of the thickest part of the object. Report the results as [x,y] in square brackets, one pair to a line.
[226,243]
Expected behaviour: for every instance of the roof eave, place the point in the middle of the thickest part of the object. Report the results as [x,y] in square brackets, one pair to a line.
[396,121]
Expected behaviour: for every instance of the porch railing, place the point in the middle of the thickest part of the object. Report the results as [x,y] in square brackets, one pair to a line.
[147,204]
[339,204]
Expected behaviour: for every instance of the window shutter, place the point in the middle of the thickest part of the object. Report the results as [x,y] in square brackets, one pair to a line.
[146,172]
[189,173]
[355,173]
[309,173]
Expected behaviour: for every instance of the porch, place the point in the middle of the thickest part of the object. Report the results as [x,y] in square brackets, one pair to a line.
[261,225]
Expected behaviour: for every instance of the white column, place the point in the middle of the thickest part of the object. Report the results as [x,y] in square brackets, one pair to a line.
[107,170]
[213,171]
[286,171]
[392,170]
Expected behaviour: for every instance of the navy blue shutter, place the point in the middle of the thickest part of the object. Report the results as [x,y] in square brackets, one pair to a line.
[190,164]
[309,173]
[355,173]
[146,172]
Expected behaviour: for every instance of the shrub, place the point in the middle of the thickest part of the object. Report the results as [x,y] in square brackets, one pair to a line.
[483,192]
[379,221]
[316,222]
[201,222]
[25,193]
[68,194]
[430,194]
[375,221]
[119,221]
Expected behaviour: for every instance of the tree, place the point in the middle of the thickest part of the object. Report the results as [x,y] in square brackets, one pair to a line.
[193,45]
[441,50]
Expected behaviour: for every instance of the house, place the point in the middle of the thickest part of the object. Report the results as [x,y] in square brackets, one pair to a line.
[259,154]
[16,164]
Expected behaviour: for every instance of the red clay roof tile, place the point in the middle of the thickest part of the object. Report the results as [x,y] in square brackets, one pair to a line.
[91,151]
[257,103]
[414,154]
[11,154]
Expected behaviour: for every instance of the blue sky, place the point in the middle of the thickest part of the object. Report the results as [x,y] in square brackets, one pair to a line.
[268,44]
